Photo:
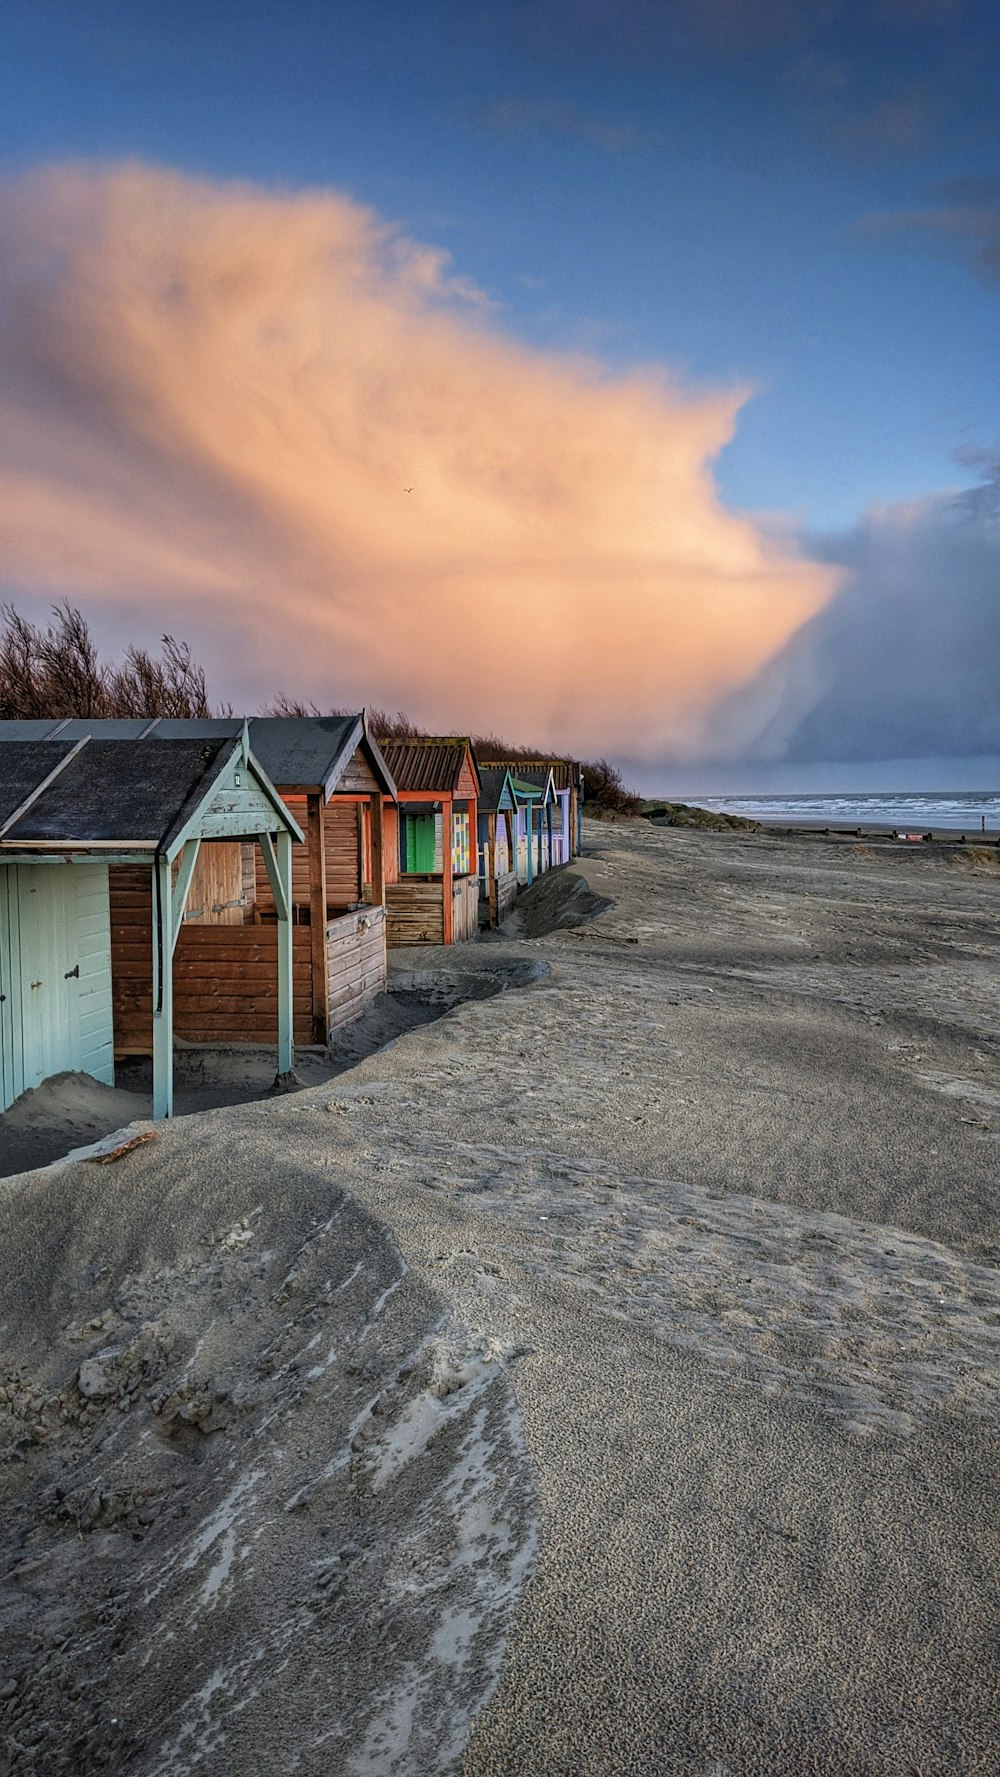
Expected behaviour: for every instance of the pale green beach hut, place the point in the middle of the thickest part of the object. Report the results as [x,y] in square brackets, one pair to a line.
[68,812]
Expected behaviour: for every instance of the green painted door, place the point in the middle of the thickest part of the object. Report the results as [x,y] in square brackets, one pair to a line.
[420,833]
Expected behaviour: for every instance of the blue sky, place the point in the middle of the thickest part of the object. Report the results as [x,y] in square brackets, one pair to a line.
[699,199]
[800,197]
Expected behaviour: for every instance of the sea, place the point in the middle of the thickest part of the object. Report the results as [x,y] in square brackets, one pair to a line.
[961,811]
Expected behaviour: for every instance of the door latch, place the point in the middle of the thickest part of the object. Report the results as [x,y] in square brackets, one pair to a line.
[72,973]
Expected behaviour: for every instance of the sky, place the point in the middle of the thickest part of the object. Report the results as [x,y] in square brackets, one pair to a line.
[620,376]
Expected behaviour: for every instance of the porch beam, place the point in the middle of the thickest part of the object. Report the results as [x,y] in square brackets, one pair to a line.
[182,888]
[282,901]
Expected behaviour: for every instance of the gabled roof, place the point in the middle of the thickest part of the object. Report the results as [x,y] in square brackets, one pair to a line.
[533,786]
[433,764]
[496,791]
[297,752]
[132,795]
[567,774]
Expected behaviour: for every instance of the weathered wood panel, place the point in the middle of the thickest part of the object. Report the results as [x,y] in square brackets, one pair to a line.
[344,846]
[414,912]
[506,893]
[216,893]
[390,840]
[225,977]
[358,776]
[465,903]
[356,964]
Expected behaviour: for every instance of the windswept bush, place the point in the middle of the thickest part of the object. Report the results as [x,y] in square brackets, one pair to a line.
[55,672]
[604,789]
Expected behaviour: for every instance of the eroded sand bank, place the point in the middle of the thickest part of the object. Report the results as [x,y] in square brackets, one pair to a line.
[709,1219]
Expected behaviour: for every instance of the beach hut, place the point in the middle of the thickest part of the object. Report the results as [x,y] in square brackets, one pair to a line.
[535,798]
[73,811]
[497,866]
[332,778]
[432,875]
[567,784]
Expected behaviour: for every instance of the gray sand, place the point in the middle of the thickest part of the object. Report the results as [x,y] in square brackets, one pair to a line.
[709,1220]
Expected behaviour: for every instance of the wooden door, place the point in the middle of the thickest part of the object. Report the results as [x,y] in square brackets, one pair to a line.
[56,952]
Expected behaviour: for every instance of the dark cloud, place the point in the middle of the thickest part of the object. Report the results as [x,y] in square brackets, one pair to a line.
[825,94]
[554,117]
[962,216]
[904,662]
[729,28]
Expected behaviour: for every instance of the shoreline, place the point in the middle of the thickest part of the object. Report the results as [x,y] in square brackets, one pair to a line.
[882,830]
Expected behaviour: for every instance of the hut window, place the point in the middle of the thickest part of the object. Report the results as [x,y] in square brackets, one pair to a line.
[461,855]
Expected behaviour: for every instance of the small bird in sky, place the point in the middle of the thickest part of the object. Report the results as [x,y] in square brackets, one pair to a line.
[407,490]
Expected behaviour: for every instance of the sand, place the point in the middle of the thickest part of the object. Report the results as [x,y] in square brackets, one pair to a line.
[696,1228]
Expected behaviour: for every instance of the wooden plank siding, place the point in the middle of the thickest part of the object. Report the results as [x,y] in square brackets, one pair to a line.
[506,894]
[217,888]
[465,908]
[356,963]
[344,848]
[414,911]
[225,977]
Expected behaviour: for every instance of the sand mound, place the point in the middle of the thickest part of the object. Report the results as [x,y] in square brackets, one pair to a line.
[558,899]
[264,1505]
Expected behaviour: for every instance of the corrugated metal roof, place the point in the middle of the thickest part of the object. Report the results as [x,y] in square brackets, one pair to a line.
[433,765]
[566,773]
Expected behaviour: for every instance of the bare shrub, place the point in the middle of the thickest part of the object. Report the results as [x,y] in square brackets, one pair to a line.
[55,672]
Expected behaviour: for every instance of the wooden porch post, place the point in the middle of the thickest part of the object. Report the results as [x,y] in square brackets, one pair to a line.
[491,867]
[316,846]
[548,834]
[530,839]
[285,1049]
[378,851]
[448,907]
[278,863]
[163,991]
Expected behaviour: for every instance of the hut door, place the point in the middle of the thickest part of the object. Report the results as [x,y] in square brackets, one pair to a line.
[56,962]
[420,846]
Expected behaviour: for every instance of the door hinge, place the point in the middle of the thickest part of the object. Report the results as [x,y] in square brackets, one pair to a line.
[70,973]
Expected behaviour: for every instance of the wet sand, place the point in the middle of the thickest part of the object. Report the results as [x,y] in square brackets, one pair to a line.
[710,1205]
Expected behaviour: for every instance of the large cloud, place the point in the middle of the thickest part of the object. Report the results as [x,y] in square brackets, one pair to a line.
[270,424]
[904,662]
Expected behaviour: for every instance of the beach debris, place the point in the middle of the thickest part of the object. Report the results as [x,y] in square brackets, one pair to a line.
[609,937]
[125,1147]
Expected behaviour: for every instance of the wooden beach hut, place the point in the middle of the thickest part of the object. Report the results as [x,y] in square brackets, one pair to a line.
[567,785]
[534,797]
[333,780]
[432,874]
[497,865]
[72,811]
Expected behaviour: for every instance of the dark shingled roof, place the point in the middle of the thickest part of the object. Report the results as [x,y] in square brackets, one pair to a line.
[425,764]
[22,768]
[305,751]
[138,793]
[492,779]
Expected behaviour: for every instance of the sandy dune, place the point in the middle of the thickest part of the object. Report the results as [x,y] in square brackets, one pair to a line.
[702,1227]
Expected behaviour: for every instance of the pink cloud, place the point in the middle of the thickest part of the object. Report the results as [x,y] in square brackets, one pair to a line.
[218,397]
